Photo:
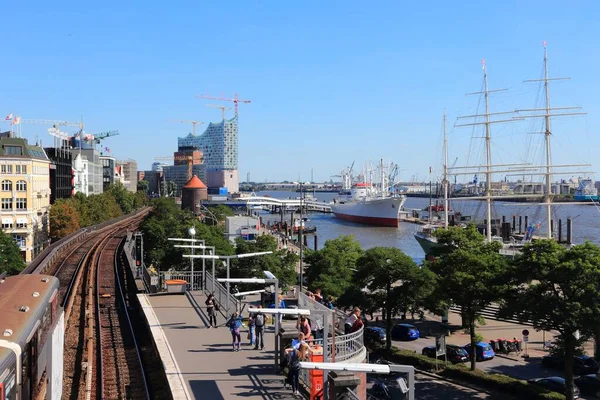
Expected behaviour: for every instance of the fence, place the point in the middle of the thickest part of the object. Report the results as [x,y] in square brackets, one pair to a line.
[192,284]
[221,295]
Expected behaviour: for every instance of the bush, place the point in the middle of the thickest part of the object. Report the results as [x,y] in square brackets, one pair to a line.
[497,383]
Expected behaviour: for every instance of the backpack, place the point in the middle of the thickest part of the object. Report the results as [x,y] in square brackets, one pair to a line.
[259,319]
[295,362]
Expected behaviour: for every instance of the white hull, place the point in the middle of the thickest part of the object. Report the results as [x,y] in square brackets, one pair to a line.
[377,211]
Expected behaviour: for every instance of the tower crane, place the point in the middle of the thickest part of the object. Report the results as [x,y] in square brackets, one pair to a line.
[235,100]
[187,121]
[98,137]
[223,109]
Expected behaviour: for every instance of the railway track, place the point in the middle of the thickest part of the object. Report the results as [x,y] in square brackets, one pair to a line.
[120,371]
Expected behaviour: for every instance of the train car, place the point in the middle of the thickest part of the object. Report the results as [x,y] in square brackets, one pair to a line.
[31,338]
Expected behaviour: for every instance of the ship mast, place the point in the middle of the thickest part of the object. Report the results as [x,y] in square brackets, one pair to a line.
[488,154]
[445,175]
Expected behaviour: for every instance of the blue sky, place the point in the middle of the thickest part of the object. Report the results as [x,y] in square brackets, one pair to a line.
[330,82]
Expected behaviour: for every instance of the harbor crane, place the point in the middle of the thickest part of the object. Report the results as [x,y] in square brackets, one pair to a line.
[186,121]
[223,109]
[235,100]
[101,136]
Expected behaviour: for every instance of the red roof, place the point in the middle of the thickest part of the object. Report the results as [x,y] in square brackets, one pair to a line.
[194,183]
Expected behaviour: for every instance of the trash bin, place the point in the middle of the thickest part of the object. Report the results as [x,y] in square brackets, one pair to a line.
[176,286]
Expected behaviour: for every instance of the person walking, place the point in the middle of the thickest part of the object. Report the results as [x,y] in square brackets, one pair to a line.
[350,320]
[251,330]
[294,358]
[259,326]
[211,310]
[304,327]
[234,324]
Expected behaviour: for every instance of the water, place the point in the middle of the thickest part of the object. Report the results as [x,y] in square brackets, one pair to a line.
[586,222]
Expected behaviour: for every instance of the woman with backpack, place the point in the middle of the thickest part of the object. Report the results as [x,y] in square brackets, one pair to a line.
[259,326]
[294,357]
[211,310]
[234,324]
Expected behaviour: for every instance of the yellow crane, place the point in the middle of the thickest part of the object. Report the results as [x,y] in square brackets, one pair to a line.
[223,109]
[186,121]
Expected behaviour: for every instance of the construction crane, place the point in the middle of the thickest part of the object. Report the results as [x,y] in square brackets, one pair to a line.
[186,121]
[98,137]
[223,109]
[188,158]
[235,100]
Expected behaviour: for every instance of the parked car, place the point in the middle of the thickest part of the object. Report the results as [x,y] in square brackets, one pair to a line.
[454,354]
[483,351]
[405,332]
[554,383]
[582,365]
[375,334]
[589,384]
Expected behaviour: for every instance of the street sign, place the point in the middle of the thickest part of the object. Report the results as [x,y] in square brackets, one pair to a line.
[440,345]
[526,339]
[525,332]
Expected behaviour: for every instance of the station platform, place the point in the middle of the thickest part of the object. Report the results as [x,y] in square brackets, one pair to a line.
[199,362]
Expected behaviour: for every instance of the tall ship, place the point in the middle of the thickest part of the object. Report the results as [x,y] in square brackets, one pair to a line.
[369,203]
[512,243]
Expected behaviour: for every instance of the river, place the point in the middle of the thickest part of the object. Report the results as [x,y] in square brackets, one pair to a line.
[586,221]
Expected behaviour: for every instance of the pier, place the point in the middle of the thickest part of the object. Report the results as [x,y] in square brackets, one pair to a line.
[307,204]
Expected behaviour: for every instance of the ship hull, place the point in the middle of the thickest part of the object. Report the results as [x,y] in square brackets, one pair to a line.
[377,212]
[427,243]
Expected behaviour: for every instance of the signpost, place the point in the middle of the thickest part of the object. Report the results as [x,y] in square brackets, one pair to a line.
[525,340]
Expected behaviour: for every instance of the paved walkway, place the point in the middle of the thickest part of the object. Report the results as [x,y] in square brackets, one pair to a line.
[203,359]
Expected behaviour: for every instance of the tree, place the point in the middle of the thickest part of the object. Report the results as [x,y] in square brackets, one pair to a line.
[171,188]
[64,219]
[143,186]
[122,196]
[468,274]
[389,271]
[140,199]
[556,288]
[220,212]
[11,261]
[332,267]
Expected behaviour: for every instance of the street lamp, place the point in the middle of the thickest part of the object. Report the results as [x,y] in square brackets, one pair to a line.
[192,232]
[300,238]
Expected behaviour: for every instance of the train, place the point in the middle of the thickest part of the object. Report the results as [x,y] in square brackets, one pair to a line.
[32,331]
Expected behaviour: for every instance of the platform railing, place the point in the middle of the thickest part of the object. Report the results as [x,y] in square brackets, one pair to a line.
[221,295]
[193,283]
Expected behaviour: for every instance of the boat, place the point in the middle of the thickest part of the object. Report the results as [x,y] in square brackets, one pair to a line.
[512,243]
[367,204]
[586,191]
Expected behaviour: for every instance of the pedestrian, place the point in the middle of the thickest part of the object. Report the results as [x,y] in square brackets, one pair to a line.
[251,330]
[281,305]
[259,326]
[304,327]
[350,320]
[329,303]
[211,309]
[318,296]
[297,342]
[294,357]
[234,324]
[357,324]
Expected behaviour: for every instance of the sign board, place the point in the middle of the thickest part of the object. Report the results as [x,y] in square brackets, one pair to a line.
[525,332]
[525,339]
[440,345]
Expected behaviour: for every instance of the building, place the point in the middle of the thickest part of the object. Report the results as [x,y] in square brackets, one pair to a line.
[129,170]
[61,173]
[94,169]
[219,145]
[193,194]
[246,227]
[80,174]
[179,174]
[109,172]
[24,194]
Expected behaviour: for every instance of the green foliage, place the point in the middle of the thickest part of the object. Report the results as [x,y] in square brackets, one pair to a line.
[167,220]
[557,289]
[220,212]
[389,271]
[64,219]
[469,274]
[122,196]
[11,261]
[282,263]
[143,186]
[331,268]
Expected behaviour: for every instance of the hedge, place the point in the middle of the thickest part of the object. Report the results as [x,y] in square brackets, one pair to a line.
[498,383]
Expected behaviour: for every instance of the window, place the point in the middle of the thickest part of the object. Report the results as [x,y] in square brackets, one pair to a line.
[21,186]
[7,225]
[7,204]
[13,150]
[21,204]
[24,169]
[18,169]
[6,169]
[6,186]
[21,225]
[19,240]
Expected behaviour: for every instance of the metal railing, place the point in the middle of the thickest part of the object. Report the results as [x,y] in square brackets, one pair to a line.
[192,284]
[221,295]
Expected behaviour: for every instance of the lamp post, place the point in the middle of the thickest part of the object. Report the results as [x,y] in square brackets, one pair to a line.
[300,238]
[192,232]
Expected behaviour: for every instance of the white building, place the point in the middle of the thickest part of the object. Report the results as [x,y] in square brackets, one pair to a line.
[80,173]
